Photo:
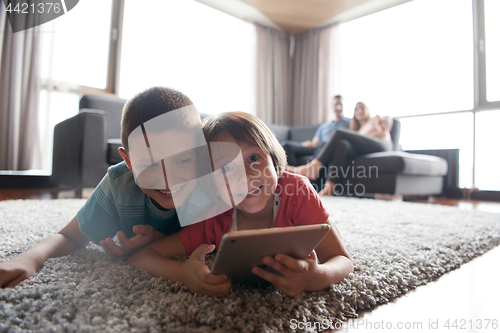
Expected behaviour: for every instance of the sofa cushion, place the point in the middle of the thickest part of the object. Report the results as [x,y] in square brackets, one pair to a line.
[399,184]
[282,132]
[303,132]
[404,163]
[113,155]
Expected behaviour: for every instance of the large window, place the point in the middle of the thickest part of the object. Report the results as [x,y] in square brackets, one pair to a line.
[74,59]
[487,152]
[416,62]
[415,58]
[190,47]
[75,51]
[54,107]
[492,49]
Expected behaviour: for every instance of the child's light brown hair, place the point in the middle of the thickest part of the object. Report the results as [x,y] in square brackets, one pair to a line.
[248,129]
[147,105]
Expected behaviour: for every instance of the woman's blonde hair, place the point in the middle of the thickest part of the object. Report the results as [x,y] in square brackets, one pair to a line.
[248,129]
[354,124]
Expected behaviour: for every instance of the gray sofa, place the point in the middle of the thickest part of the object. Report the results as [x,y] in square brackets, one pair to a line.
[87,144]
[391,172]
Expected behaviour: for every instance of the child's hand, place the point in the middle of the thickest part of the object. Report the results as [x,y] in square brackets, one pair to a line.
[197,276]
[13,271]
[297,273]
[145,234]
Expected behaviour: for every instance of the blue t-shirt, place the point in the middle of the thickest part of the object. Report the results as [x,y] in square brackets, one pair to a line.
[325,131]
[118,203]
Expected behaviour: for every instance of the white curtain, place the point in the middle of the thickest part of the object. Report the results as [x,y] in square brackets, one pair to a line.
[325,111]
[19,90]
[334,82]
[293,76]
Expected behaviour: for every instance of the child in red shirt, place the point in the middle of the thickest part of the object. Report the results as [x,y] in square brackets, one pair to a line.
[295,203]
[269,198]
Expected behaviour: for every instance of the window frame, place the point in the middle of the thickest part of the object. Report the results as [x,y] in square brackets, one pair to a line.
[480,101]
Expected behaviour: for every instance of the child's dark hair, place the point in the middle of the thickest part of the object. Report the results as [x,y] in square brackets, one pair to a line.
[147,105]
[248,129]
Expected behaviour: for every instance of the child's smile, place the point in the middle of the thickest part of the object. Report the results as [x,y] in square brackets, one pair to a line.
[167,197]
[171,193]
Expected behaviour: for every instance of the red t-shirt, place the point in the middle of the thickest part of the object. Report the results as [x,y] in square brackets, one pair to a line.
[300,205]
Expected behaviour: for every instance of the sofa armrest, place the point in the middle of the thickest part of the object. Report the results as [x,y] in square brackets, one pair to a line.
[396,134]
[80,148]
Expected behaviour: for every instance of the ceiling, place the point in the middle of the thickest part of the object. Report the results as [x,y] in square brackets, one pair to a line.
[296,16]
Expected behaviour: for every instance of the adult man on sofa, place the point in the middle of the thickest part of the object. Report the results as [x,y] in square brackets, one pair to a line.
[295,150]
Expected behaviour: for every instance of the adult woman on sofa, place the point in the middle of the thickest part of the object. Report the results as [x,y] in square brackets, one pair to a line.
[365,135]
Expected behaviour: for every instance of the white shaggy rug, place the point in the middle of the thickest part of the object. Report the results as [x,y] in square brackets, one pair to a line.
[396,246]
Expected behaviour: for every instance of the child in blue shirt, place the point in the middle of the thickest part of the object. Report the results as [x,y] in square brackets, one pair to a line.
[127,203]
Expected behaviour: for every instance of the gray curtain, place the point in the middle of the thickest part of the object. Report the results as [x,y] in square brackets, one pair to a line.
[19,91]
[293,87]
[273,78]
[305,77]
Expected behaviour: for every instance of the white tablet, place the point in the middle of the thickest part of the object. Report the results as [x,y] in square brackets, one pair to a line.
[239,251]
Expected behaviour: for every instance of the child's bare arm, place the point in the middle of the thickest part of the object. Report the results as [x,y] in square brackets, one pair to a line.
[144,234]
[194,273]
[332,247]
[29,262]
[168,247]
[308,274]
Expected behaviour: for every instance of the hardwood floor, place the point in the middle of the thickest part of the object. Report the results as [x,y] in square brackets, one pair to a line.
[457,302]
[485,206]
[464,300]
[22,193]
[39,194]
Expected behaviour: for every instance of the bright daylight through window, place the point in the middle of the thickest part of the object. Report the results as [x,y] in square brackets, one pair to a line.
[492,31]
[418,59]
[191,47]
[487,157]
[74,53]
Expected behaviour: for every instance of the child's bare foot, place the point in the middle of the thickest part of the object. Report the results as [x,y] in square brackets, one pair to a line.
[328,189]
[310,170]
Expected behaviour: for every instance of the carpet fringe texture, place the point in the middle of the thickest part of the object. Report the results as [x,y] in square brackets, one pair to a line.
[396,246]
